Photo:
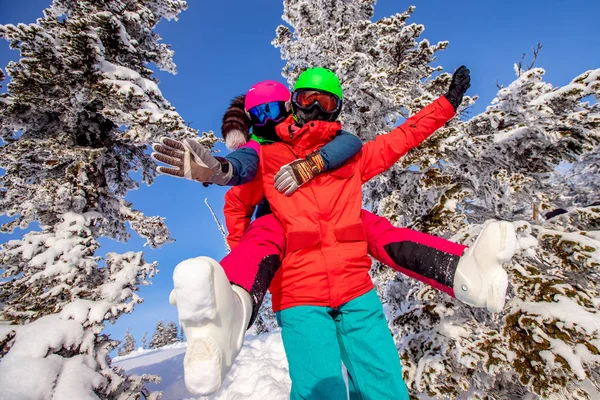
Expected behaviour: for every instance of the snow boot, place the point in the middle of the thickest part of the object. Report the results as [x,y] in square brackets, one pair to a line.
[214,315]
[480,279]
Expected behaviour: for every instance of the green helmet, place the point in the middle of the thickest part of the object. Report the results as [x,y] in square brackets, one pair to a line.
[321,79]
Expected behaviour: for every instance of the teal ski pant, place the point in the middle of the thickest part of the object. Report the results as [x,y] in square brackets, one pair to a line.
[317,340]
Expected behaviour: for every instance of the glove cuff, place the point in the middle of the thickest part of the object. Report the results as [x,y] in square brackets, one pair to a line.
[225,165]
[307,168]
[224,174]
[317,164]
[303,171]
[453,99]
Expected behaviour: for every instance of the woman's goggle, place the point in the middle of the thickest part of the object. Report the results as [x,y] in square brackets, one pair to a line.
[327,102]
[262,113]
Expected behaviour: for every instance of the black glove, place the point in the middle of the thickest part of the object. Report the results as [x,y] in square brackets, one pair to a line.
[461,81]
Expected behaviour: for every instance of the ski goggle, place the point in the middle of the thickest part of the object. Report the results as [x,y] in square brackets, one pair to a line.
[327,102]
[260,114]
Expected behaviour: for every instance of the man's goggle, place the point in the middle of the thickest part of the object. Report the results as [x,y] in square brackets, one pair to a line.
[327,102]
[274,111]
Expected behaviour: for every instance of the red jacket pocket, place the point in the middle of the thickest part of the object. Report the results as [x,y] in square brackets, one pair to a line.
[301,239]
[351,233]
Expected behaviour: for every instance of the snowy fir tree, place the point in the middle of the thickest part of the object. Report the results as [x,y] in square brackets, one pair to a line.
[534,149]
[63,299]
[145,340]
[171,333]
[160,337]
[130,345]
[80,109]
[503,164]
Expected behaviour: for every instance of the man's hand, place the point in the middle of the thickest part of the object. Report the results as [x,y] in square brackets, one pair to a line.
[295,174]
[189,159]
[461,81]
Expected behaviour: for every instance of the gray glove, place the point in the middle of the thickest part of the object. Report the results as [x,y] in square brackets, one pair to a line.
[189,159]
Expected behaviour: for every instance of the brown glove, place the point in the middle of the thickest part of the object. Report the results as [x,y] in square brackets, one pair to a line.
[295,174]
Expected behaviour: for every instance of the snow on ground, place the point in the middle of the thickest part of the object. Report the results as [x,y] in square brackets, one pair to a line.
[260,371]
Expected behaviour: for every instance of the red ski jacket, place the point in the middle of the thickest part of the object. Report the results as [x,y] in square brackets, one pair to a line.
[326,261]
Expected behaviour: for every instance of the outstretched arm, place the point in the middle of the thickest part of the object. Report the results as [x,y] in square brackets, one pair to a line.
[380,154]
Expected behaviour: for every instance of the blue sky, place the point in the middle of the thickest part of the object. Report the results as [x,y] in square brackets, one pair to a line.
[223,47]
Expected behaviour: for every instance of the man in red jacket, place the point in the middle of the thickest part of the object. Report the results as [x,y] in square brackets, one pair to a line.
[323,295]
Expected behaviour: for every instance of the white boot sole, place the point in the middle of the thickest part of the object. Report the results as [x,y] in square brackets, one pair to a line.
[202,365]
[497,293]
[497,296]
[510,243]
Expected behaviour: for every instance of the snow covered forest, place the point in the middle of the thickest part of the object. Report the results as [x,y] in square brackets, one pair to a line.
[163,335]
[82,106]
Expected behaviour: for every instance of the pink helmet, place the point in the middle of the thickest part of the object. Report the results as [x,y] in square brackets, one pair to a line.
[266,92]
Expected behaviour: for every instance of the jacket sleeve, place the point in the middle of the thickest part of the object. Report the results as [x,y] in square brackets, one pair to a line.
[245,164]
[380,154]
[240,202]
[342,148]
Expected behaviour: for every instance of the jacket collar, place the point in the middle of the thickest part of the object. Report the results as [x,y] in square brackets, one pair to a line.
[312,133]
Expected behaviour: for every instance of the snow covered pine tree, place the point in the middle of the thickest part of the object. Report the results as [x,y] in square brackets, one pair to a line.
[172,333]
[145,340]
[501,165]
[159,337]
[130,345]
[81,108]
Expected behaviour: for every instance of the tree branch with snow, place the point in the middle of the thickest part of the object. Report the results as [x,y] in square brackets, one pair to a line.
[81,108]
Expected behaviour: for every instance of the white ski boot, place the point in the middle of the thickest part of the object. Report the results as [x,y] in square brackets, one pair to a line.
[214,315]
[480,279]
